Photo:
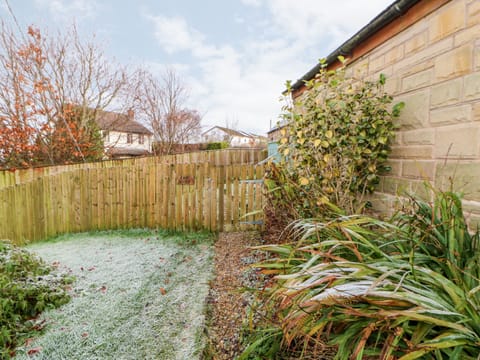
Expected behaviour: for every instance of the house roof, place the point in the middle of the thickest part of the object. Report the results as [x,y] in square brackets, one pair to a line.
[232,132]
[276,128]
[113,121]
[391,13]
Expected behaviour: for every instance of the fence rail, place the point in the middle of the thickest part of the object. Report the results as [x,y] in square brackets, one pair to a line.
[182,196]
[217,157]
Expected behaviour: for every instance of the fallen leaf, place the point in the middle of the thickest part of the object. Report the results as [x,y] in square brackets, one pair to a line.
[84,335]
[39,325]
[91,268]
[28,342]
[163,291]
[34,350]
[103,289]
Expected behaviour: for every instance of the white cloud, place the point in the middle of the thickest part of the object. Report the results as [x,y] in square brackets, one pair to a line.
[333,22]
[227,83]
[66,9]
[246,82]
[173,33]
[255,3]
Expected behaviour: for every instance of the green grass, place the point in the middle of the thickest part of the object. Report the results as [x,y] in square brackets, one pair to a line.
[138,295]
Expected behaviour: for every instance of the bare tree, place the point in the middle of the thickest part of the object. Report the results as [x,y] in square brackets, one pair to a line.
[53,86]
[161,103]
[231,123]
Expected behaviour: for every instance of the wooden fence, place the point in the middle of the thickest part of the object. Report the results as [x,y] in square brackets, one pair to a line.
[217,157]
[182,196]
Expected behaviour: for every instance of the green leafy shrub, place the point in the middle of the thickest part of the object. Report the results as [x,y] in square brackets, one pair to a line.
[28,286]
[217,145]
[402,290]
[337,140]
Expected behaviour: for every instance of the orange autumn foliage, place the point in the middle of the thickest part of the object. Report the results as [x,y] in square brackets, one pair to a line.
[36,127]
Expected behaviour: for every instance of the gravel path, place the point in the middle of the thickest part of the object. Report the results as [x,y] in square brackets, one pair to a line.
[227,304]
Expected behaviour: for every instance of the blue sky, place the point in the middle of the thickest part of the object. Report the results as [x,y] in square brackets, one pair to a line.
[233,55]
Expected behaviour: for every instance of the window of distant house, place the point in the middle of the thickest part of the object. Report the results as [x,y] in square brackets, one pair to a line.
[106,136]
[129,138]
[141,138]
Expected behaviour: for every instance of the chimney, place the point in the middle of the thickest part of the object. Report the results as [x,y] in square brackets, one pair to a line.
[131,114]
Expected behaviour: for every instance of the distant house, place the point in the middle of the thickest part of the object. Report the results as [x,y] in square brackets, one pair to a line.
[235,138]
[122,135]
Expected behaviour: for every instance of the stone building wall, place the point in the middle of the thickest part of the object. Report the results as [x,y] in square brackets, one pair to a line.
[434,67]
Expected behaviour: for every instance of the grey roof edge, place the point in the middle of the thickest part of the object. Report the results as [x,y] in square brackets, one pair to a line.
[392,12]
[233,132]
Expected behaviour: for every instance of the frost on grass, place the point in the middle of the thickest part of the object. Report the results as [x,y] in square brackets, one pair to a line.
[134,298]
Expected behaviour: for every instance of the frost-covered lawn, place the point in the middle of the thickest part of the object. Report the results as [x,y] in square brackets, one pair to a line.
[137,295]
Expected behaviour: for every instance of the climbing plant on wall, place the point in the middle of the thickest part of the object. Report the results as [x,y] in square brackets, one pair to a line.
[337,140]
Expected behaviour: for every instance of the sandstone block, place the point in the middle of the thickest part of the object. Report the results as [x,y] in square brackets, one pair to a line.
[449,19]
[396,186]
[392,85]
[394,54]
[463,175]
[397,139]
[412,152]
[454,63]
[389,185]
[476,112]
[404,186]
[419,169]
[473,13]
[473,221]
[457,142]
[472,86]
[382,204]
[471,207]
[416,111]
[419,137]
[469,34]
[477,58]
[423,59]
[376,63]
[446,93]
[396,166]
[451,115]
[416,43]
[421,189]
[359,68]
[417,80]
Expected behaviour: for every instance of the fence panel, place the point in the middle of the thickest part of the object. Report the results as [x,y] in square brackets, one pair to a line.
[182,196]
[216,157]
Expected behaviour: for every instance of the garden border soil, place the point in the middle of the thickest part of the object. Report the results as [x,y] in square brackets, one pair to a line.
[227,303]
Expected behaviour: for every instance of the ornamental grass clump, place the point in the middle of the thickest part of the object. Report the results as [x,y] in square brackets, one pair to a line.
[28,286]
[378,290]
